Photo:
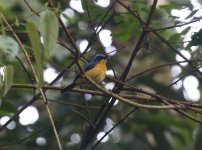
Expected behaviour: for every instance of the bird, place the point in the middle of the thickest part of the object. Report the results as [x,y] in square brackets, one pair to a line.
[95,70]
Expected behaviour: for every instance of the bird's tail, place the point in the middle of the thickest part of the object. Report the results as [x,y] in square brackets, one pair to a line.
[69,87]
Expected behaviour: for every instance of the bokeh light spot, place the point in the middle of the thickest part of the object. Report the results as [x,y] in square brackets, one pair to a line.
[41,141]
[76,5]
[178,85]
[50,74]
[75,138]
[191,91]
[109,86]
[176,70]
[110,73]
[186,54]
[10,126]
[102,3]
[190,82]
[29,116]
[105,37]
[100,135]
[67,12]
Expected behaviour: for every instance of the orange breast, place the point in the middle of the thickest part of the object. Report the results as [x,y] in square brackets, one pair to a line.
[98,73]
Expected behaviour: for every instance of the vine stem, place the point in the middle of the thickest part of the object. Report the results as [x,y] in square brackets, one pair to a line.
[37,80]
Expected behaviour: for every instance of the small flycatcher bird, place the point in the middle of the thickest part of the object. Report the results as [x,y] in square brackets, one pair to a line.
[95,70]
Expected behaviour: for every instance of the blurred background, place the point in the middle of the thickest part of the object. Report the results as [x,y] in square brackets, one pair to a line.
[120,30]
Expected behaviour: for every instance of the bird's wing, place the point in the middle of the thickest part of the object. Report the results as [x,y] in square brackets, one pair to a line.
[86,68]
[89,66]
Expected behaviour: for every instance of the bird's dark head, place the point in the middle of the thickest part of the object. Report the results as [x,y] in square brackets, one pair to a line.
[100,57]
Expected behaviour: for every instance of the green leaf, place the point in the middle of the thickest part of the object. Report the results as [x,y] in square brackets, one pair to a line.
[70,19]
[169,7]
[1,80]
[8,46]
[8,78]
[192,14]
[118,19]
[197,38]
[174,38]
[49,30]
[2,68]
[7,108]
[124,37]
[185,31]
[37,49]
[17,22]
[95,11]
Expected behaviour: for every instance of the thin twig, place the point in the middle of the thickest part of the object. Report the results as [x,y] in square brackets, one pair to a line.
[86,108]
[31,8]
[23,139]
[158,67]
[97,30]
[175,82]
[174,26]
[26,71]
[117,124]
